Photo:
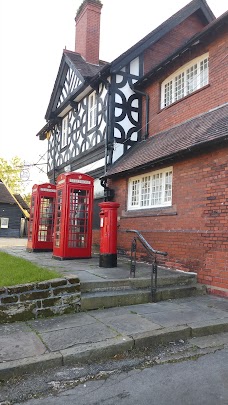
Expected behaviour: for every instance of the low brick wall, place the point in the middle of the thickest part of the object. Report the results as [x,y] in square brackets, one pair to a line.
[42,299]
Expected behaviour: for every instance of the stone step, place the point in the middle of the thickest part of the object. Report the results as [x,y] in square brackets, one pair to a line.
[137,283]
[123,297]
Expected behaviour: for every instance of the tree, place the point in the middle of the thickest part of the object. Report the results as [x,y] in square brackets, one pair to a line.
[10,174]
[27,198]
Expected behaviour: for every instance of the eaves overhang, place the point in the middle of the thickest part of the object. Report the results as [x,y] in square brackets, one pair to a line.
[171,157]
[42,134]
[205,34]
[161,30]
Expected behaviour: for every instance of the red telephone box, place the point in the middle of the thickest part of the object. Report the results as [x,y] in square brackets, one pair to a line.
[41,222]
[108,234]
[73,216]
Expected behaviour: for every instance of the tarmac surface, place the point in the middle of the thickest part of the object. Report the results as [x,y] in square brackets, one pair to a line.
[98,334]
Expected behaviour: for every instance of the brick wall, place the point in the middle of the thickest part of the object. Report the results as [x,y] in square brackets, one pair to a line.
[209,97]
[87,40]
[34,300]
[194,231]
[177,37]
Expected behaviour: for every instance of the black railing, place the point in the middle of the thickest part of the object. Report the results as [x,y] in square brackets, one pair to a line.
[152,253]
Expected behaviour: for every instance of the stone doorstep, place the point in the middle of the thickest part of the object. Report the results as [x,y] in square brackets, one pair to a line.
[110,298]
[142,282]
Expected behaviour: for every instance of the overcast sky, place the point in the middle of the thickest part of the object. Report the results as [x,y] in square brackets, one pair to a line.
[33,35]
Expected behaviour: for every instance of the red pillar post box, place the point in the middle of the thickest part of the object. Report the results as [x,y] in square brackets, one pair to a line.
[108,234]
[41,222]
[73,216]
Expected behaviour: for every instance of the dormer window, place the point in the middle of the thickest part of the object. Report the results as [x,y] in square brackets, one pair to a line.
[189,78]
[64,132]
[92,113]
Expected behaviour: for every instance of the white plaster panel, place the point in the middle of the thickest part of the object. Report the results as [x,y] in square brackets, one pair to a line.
[134,67]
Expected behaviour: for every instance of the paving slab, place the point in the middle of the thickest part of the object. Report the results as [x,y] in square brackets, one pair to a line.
[65,322]
[211,341]
[18,341]
[182,316]
[65,338]
[97,351]
[81,337]
[129,323]
[209,327]
[161,306]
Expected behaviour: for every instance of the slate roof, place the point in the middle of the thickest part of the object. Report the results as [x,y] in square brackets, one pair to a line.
[193,134]
[85,69]
[5,196]
[21,201]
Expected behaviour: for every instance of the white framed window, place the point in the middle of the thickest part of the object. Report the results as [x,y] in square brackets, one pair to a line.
[189,78]
[92,113]
[150,190]
[4,222]
[64,137]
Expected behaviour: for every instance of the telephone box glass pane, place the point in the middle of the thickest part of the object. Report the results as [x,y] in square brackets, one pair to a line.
[46,222]
[31,219]
[78,218]
[58,218]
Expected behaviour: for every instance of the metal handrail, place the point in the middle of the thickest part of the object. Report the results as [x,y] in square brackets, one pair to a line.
[146,245]
[152,252]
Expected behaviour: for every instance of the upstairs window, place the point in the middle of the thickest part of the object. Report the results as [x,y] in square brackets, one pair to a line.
[92,113]
[151,190]
[185,80]
[64,132]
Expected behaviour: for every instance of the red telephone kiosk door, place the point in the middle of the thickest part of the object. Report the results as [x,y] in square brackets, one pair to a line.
[41,222]
[73,220]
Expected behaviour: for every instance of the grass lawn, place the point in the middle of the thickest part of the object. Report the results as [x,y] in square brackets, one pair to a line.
[14,270]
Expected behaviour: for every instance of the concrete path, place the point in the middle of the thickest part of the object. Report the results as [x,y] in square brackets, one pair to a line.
[87,270]
[84,337]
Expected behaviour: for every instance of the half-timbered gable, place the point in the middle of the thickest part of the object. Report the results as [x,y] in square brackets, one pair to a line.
[95,113]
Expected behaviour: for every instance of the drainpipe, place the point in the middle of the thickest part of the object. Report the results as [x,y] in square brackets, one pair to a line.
[147,108]
[108,84]
[108,193]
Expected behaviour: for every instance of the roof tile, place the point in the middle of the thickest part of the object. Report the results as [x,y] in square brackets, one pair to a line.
[196,132]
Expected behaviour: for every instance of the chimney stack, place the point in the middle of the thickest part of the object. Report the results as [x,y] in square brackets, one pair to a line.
[87,40]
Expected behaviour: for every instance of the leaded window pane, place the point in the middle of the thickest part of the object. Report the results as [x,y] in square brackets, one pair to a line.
[179,86]
[156,194]
[168,94]
[135,192]
[168,186]
[145,191]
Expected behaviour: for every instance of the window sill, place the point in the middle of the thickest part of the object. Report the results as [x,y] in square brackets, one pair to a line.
[151,212]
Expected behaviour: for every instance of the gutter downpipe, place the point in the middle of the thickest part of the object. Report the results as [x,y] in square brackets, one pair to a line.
[142,93]
[104,180]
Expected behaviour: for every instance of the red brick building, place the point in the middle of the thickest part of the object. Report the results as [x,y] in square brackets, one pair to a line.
[173,185]
[151,128]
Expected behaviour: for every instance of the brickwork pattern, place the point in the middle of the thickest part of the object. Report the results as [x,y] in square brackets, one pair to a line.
[198,102]
[194,231]
[34,300]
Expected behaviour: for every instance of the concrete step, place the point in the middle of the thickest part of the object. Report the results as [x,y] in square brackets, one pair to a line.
[137,283]
[123,297]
